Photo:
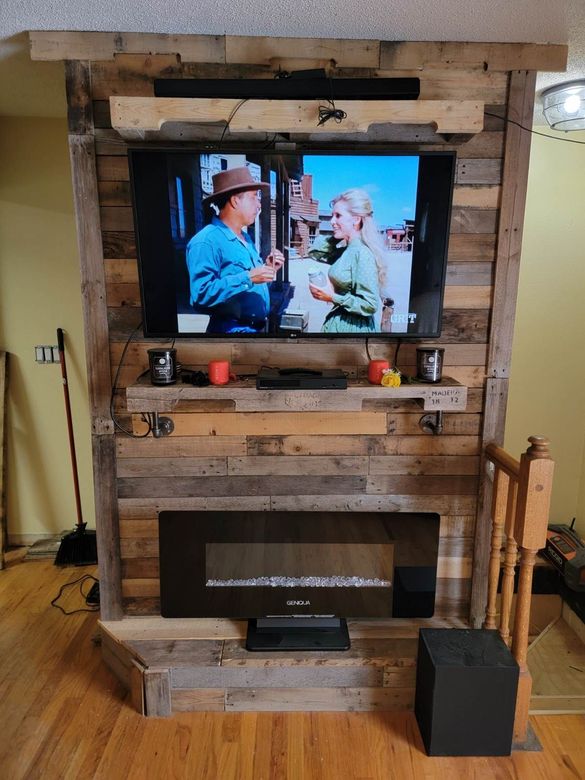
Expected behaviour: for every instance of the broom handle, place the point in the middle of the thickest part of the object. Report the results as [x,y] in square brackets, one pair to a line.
[61,344]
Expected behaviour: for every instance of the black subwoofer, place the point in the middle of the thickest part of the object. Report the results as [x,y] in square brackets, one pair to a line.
[466,684]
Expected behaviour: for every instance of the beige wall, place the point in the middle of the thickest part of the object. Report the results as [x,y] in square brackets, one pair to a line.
[547,388]
[39,292]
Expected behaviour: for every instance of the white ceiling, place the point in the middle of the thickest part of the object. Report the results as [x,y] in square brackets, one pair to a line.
[36,88]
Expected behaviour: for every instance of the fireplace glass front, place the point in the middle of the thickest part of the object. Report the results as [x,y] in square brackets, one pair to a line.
[297,564]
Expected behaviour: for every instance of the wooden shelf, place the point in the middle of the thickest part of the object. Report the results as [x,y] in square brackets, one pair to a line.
[133,117]
[447,395]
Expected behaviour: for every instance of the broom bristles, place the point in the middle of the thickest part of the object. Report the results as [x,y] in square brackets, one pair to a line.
[78,548]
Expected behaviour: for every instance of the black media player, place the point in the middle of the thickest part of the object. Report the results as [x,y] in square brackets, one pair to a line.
[301,379]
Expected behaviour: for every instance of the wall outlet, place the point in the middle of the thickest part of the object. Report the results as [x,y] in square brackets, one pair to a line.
[46,354]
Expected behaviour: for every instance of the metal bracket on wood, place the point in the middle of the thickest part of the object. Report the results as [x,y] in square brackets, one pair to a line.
[432,423]
[161,426]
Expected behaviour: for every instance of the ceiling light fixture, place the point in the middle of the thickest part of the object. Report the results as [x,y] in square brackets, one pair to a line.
[564,105]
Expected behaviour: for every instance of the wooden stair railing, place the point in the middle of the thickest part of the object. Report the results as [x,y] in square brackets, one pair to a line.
[520,510]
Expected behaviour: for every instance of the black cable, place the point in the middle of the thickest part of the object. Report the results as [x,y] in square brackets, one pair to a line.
[534,132]
[368,348]
[79,580]
[230,117]
[325,114]
[398,343]
[118,425]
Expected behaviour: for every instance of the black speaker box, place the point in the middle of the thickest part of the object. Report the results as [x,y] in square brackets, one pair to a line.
[290,89]
[466,685]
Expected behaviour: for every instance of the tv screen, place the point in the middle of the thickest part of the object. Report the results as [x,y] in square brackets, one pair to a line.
[257,243]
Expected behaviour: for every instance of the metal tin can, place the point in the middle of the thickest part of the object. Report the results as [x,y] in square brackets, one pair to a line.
[163,366]
[429,363]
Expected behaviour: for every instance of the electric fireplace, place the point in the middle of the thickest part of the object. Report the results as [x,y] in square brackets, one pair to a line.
[297,575]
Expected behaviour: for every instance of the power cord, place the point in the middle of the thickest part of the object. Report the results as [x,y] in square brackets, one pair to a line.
[534,132]
[233,112]
[146,417]
[80,581]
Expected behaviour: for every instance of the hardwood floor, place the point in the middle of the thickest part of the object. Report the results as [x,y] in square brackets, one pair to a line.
[63,715]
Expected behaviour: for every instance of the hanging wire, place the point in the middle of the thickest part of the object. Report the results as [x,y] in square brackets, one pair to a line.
[534,132]
[233,112]
[146,417]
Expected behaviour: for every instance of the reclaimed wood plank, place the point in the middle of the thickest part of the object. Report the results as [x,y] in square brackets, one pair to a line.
[465,325]
[514,181]
[469,220]
[158,628]
[479,171]
[142,527]
[259,503]
[115,193]
[132,74]
[175,653]
[474,297]
[296,466]
[157,693]
[448,505]
[515,175]
[282,677]
[114,218]
[422,485]
[474,196]
[134,116]
[319,699]
[423,465]
[458,526]
[384,653]
[181,447]
[118,244]
[78,90]
[470,274]
[256,423]
[470,247]
[486,56]
[63,45]
[264,50]
[198,700]
[169,467]
[453,424]
[108,141]
[363,445]
[139,487]
[140,568]
[98,368]
[113,168]
[144,587]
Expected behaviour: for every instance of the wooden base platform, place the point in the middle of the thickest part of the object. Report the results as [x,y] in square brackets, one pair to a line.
[201,665]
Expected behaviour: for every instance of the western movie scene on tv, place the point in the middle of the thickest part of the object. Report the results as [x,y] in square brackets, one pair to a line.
[293,244]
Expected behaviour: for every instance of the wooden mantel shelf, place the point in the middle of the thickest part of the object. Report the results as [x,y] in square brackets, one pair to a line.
[133,117]
[446,395]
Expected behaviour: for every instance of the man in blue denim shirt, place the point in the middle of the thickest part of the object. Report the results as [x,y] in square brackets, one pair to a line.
[228,279]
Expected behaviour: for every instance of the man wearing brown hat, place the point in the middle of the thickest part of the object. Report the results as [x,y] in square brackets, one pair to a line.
[227,277]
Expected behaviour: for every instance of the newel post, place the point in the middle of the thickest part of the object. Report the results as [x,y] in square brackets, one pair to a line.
[532,513]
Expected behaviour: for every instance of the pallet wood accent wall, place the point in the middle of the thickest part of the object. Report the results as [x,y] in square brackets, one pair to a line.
[376,460]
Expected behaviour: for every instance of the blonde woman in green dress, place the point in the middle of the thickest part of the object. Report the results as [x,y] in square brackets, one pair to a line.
[354,281]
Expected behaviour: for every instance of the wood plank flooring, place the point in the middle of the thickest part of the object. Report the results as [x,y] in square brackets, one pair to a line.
[63,715]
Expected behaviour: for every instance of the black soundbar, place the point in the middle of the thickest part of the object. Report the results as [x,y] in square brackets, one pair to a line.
[290,89]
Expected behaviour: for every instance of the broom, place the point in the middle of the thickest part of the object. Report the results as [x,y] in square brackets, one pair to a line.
[79,547]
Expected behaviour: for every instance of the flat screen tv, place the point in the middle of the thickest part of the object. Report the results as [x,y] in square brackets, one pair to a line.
[316,244]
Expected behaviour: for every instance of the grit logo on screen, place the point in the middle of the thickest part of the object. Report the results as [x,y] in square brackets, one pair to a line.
[298,603]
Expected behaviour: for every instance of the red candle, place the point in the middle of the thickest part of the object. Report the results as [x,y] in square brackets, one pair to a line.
[375,370]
